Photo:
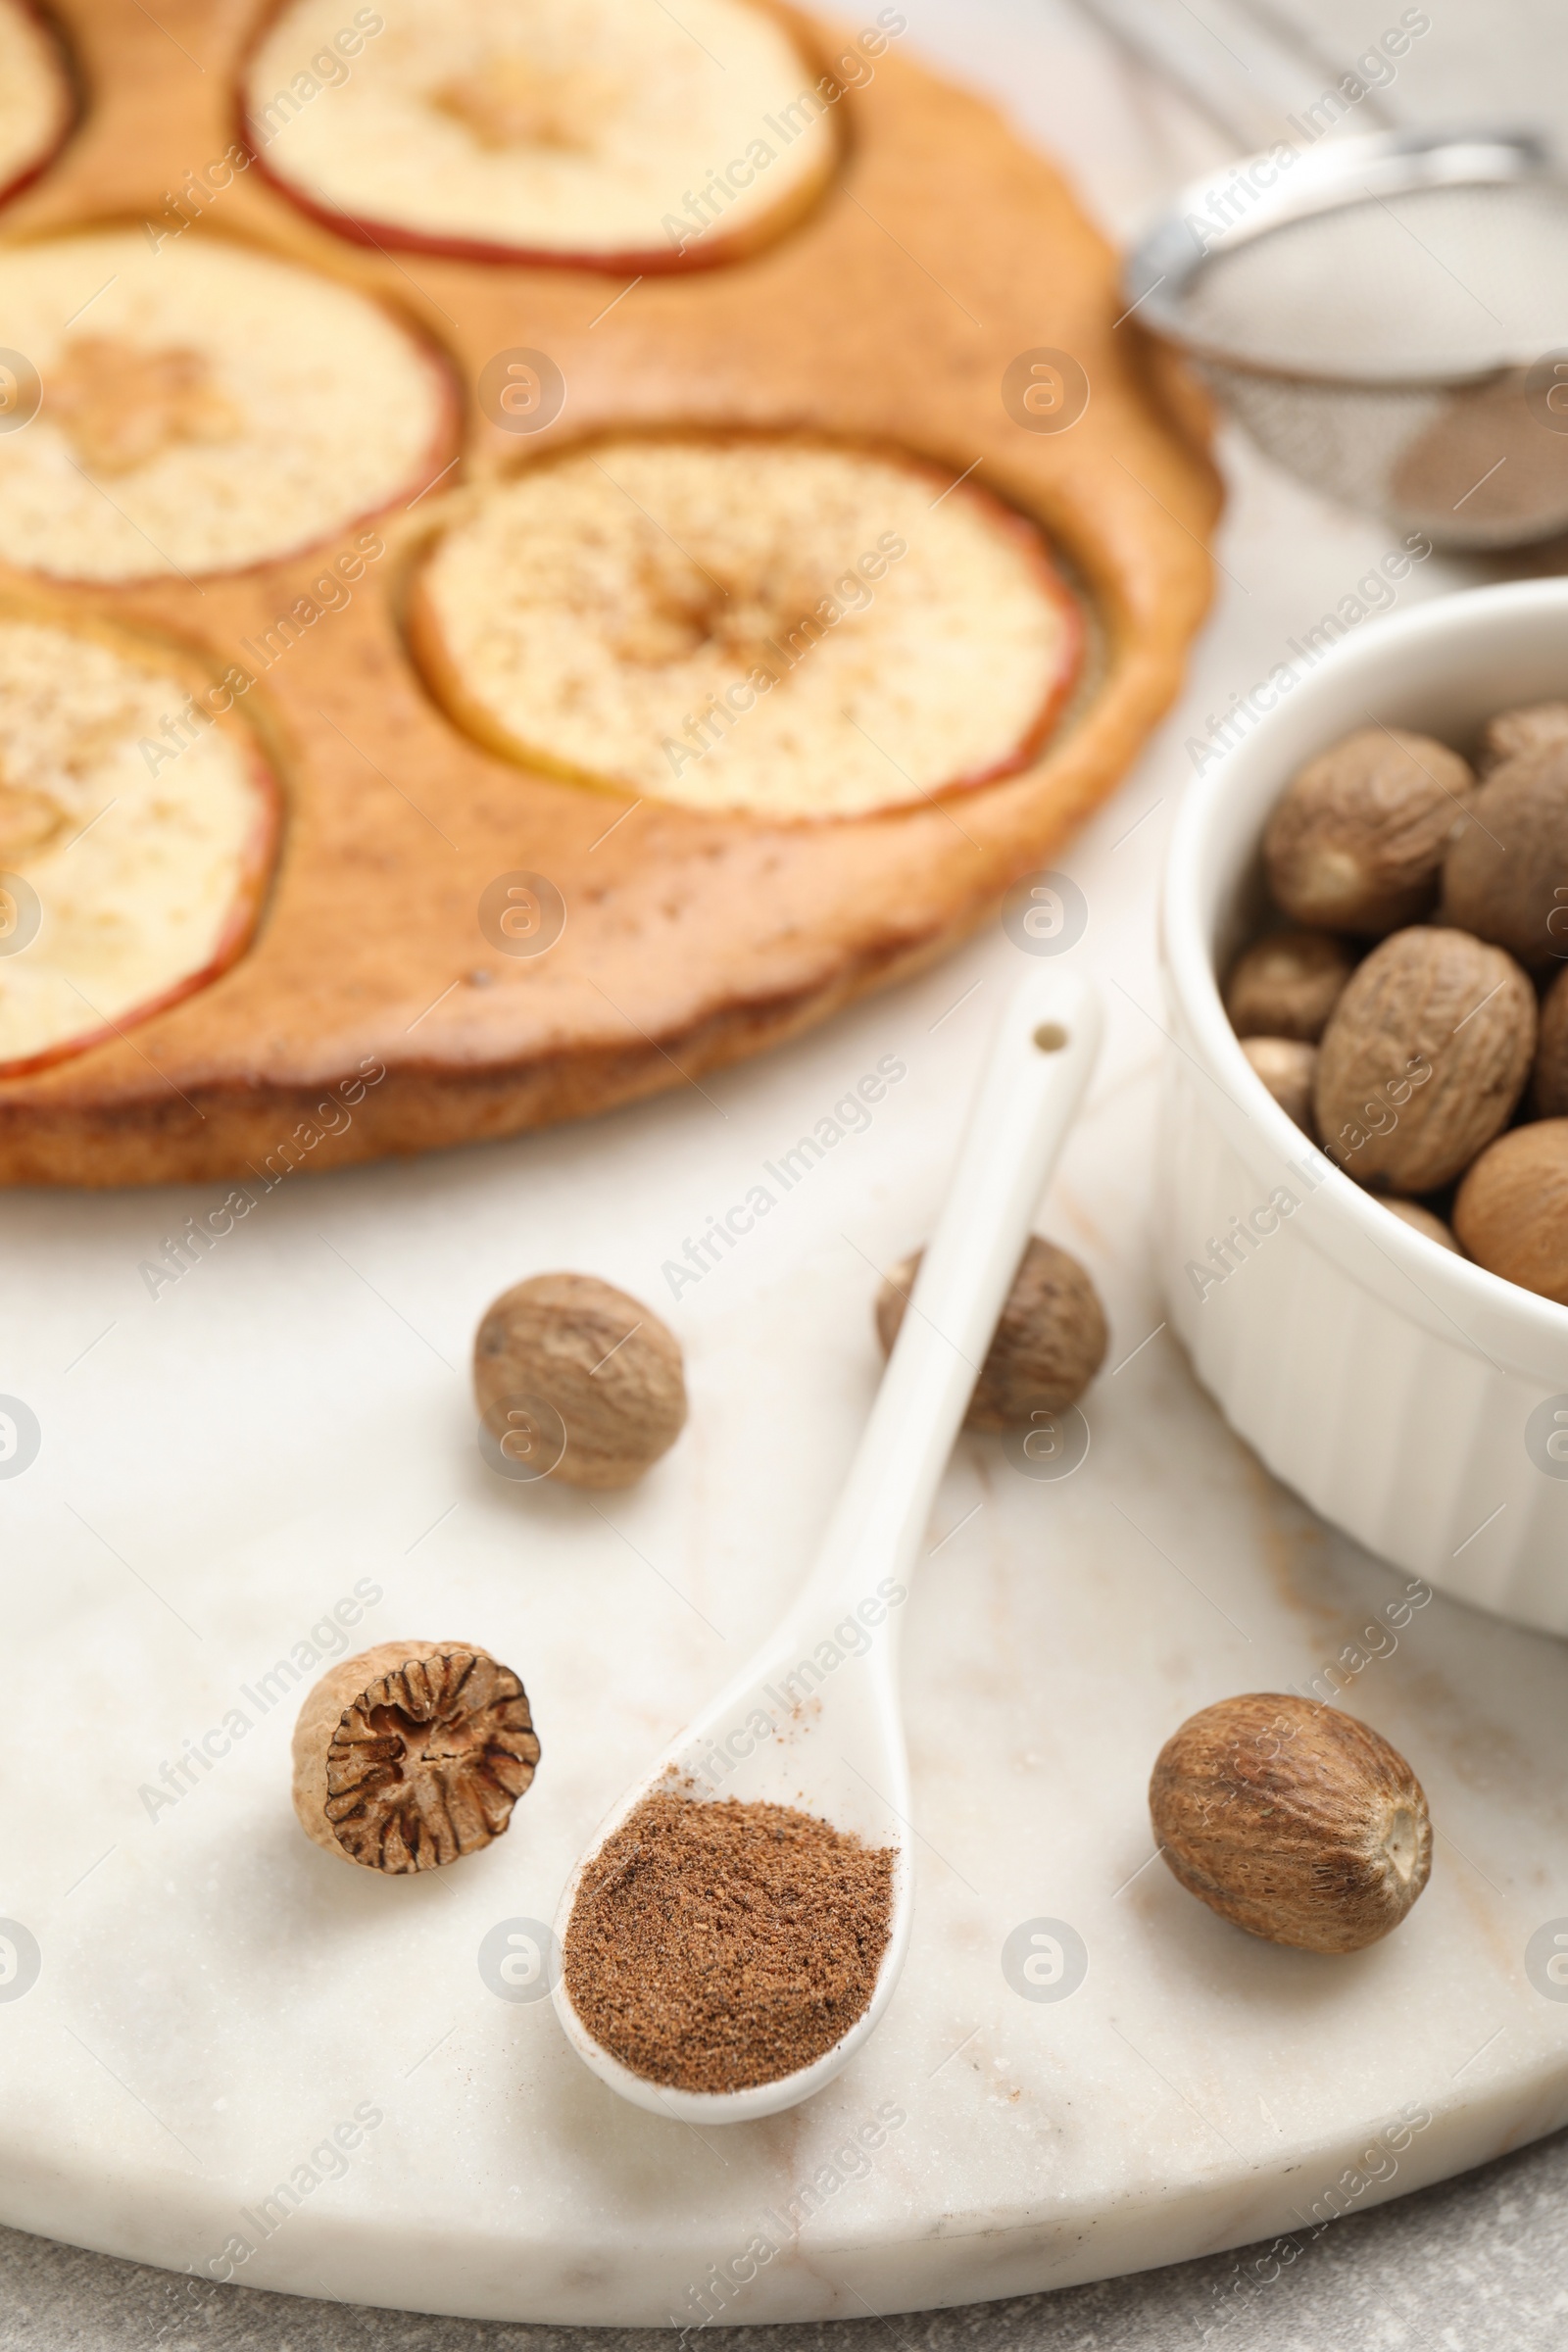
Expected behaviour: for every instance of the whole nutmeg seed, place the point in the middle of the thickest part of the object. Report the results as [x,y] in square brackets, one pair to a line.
[1548,1082]
[1511,1211]
[1357,837]
[1292,1820]
[1424,1057]
[411,1754]
[1423,1220]
[1049,1341]
[576,1381]
[1289,1070]
[1288,984]
[1506,876]
[1530,728]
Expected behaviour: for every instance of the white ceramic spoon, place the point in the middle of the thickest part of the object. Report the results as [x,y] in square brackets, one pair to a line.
[812,1721]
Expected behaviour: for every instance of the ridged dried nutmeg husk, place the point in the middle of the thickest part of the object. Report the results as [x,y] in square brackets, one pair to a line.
[1511,1211]
[1357,837]
[1424,1058]
[1292,1820]
[1506,877]
[604,1370]
[411,1754]
[1287,984]
[1049,1341]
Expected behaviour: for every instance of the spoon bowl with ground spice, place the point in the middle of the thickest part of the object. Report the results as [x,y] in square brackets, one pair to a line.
[736,1928]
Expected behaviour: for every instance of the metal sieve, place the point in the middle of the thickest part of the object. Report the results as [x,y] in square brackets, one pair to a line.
[1388,316]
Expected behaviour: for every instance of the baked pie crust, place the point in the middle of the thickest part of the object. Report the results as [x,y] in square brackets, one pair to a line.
[941,257]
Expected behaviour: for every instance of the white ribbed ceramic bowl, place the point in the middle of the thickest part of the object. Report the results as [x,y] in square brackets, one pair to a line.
[1412,1397]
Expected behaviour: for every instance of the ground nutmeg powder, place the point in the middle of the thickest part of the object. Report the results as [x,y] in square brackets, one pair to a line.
[714,1946]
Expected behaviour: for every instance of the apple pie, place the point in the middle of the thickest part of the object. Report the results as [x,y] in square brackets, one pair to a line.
[762,664]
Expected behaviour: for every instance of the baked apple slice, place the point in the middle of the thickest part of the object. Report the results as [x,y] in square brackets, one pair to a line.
[766,625]
[590,132]
[139,825]
[205,408]
[37,105]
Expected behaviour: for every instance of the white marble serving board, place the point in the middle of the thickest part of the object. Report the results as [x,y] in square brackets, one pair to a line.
[220,2009]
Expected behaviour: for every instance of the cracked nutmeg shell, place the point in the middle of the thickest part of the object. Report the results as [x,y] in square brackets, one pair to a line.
[1049,1341]
[606,1370]
[1424,1058]
[1357,837]
[412,1754]
[1292,1820]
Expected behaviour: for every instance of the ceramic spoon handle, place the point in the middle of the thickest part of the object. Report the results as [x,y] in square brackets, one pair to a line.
[1032,1084]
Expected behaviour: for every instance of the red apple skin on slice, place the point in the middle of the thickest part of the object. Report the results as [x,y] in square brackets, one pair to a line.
[171,672]
[1028,578]
[430,651]
[436,465]
[245,914]
[706,250]
[633,261]
[58,520]
[67,109]
[1074,638]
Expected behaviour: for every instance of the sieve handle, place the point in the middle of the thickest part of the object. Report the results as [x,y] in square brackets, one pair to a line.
[1246,65]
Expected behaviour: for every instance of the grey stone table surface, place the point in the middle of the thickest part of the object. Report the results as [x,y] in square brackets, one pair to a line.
[1476,2263]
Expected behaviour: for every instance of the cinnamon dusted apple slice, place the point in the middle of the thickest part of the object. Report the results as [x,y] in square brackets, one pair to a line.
[137,828]
[760,624]
[36,102]
[205,408]
[613,134]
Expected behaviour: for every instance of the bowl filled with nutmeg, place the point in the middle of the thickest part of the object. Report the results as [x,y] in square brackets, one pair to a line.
[1364,1224]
